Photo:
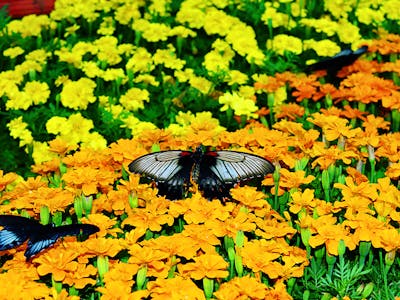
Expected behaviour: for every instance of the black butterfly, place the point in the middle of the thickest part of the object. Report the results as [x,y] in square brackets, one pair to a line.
[337,62]
[215,172]
[16,230]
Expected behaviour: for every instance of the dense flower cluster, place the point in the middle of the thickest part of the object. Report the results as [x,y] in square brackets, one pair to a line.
[94,85]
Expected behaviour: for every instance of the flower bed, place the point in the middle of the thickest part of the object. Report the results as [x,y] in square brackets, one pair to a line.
[93,85]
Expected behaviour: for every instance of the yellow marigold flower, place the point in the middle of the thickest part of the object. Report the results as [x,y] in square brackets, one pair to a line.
[18,130]
[201,83]
[240,105]
[348,33]
[283,42]
[368,15]
[205,266]
[93,140]
[325,25]
[276,18]
[127,12]
[168,58]
[107,26]
[136,126]
[183,32]
[40,56]
[13,52]
[192,14]
[215,62]
[152,32]
[31,25]
[37,91]
[340,8]
[91,69]
[78,94]
[174,288]
[134,98]
[236,77]
[323,48]
[108,50]
[141,61]
[41,152]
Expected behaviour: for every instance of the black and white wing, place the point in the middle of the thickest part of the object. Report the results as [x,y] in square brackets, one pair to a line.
[170,169]
[221,170]
[16,230]
[233,167]
[48,235]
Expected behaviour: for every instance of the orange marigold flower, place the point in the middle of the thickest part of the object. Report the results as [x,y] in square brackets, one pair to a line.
[333,127]
[89,180]
[388,239]
[102,246]
[81,277]
[6,179]
[249,197]
[352,192]
[269,229]
[364,226]
[389,147]
[302,200]
[365,88]
[154,260]
[58,263]
[176,244]
[290,111]
[140,218]
[205,266]
[202,210]
[330,235]
[393,171]
[174,288]
[15,285]
[200,237]
[293,180]
[242,288]
[259,254]
[230,227]
[47,167]
[327,157]
[106,225]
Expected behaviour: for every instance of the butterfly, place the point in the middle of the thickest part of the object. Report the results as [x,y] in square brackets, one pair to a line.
[215,172]
[16,230]
[340,60]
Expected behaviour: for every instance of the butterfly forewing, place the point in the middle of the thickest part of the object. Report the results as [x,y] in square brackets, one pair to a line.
[232,167]
[160,166]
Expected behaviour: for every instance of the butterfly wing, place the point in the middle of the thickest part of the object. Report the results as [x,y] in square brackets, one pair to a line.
[170,170]
[16,230]
[48,235]
[221,170]
[343,58]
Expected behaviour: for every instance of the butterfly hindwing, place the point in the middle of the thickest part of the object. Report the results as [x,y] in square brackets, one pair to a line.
[16,230]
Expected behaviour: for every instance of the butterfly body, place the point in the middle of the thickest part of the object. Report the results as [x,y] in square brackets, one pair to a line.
[215,172]
[16,230]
